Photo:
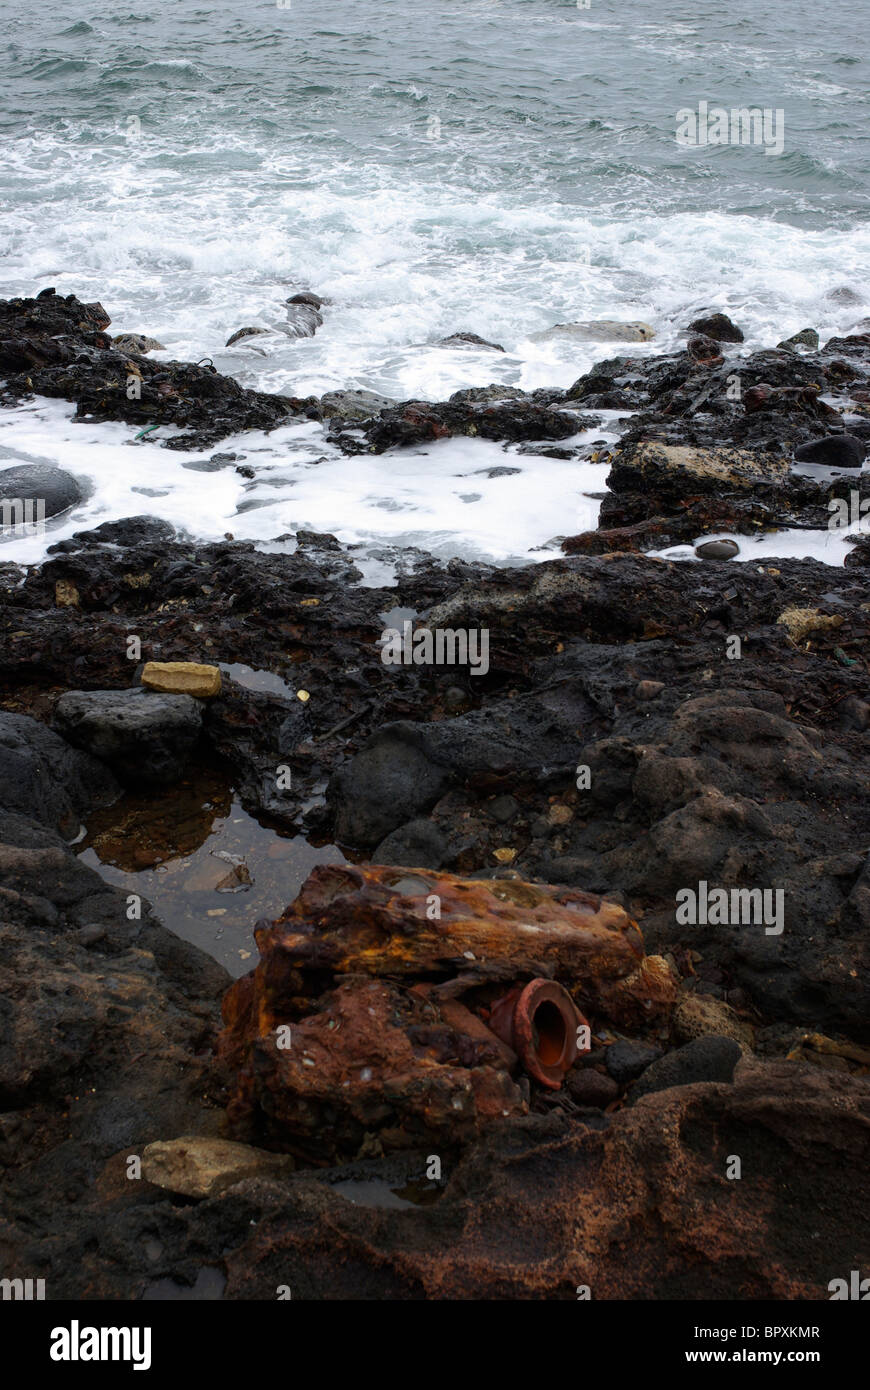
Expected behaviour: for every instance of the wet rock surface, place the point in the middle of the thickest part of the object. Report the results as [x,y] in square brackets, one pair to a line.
[751,420]
[599,331]
[353,405]
[617,764]
[44,779]
[141,735]
[754,769]
[55,346]
[107,1023]
[501,413]
[53,489]
[717,326]
[472,340]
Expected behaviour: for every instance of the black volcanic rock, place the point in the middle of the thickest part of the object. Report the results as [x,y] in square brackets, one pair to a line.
[54,346]
[50,490]
[834,451]
[717,326]
[142,735]
[45,779]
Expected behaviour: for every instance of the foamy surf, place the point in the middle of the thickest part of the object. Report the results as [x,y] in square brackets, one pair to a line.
[464,497]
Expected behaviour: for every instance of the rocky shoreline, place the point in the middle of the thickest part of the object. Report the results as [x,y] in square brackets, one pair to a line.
[620,748]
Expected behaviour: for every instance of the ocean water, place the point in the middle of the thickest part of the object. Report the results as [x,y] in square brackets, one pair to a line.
[494,166]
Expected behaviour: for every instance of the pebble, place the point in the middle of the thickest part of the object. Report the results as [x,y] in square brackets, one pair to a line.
[90,935]
[717,550]
[591,1087]
[626,1060]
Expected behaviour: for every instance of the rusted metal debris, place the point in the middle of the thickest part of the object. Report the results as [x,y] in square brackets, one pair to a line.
[541,1022]
[393,1007]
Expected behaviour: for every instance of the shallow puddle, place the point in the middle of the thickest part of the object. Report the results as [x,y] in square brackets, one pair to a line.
[377,1192]
[209,869]
[253,679]
[209,1288]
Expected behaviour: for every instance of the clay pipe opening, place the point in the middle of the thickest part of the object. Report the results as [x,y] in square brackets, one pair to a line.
[540,1022]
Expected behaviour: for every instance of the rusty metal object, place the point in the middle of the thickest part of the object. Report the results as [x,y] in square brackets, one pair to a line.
[408,923]
[540,1021]
[461,1019]
[370,1059]
[394,1007]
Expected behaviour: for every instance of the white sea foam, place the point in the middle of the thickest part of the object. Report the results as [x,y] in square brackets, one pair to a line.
[404,263]
[830,546]
[437,497]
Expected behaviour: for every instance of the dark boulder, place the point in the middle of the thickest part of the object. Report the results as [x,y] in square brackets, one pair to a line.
[859,556]
[141,735]
[717,550]
[807,338]
[419,844]
[353,405]
[705,351]
[43,778]
[388,783]
[241,333]
[588,1086]
[717,326]
[405,767]
[834,451]
[317,540]
[306,297]
[51,489]
[710,1058]
[625,1060]
[129,530]
[303,317]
